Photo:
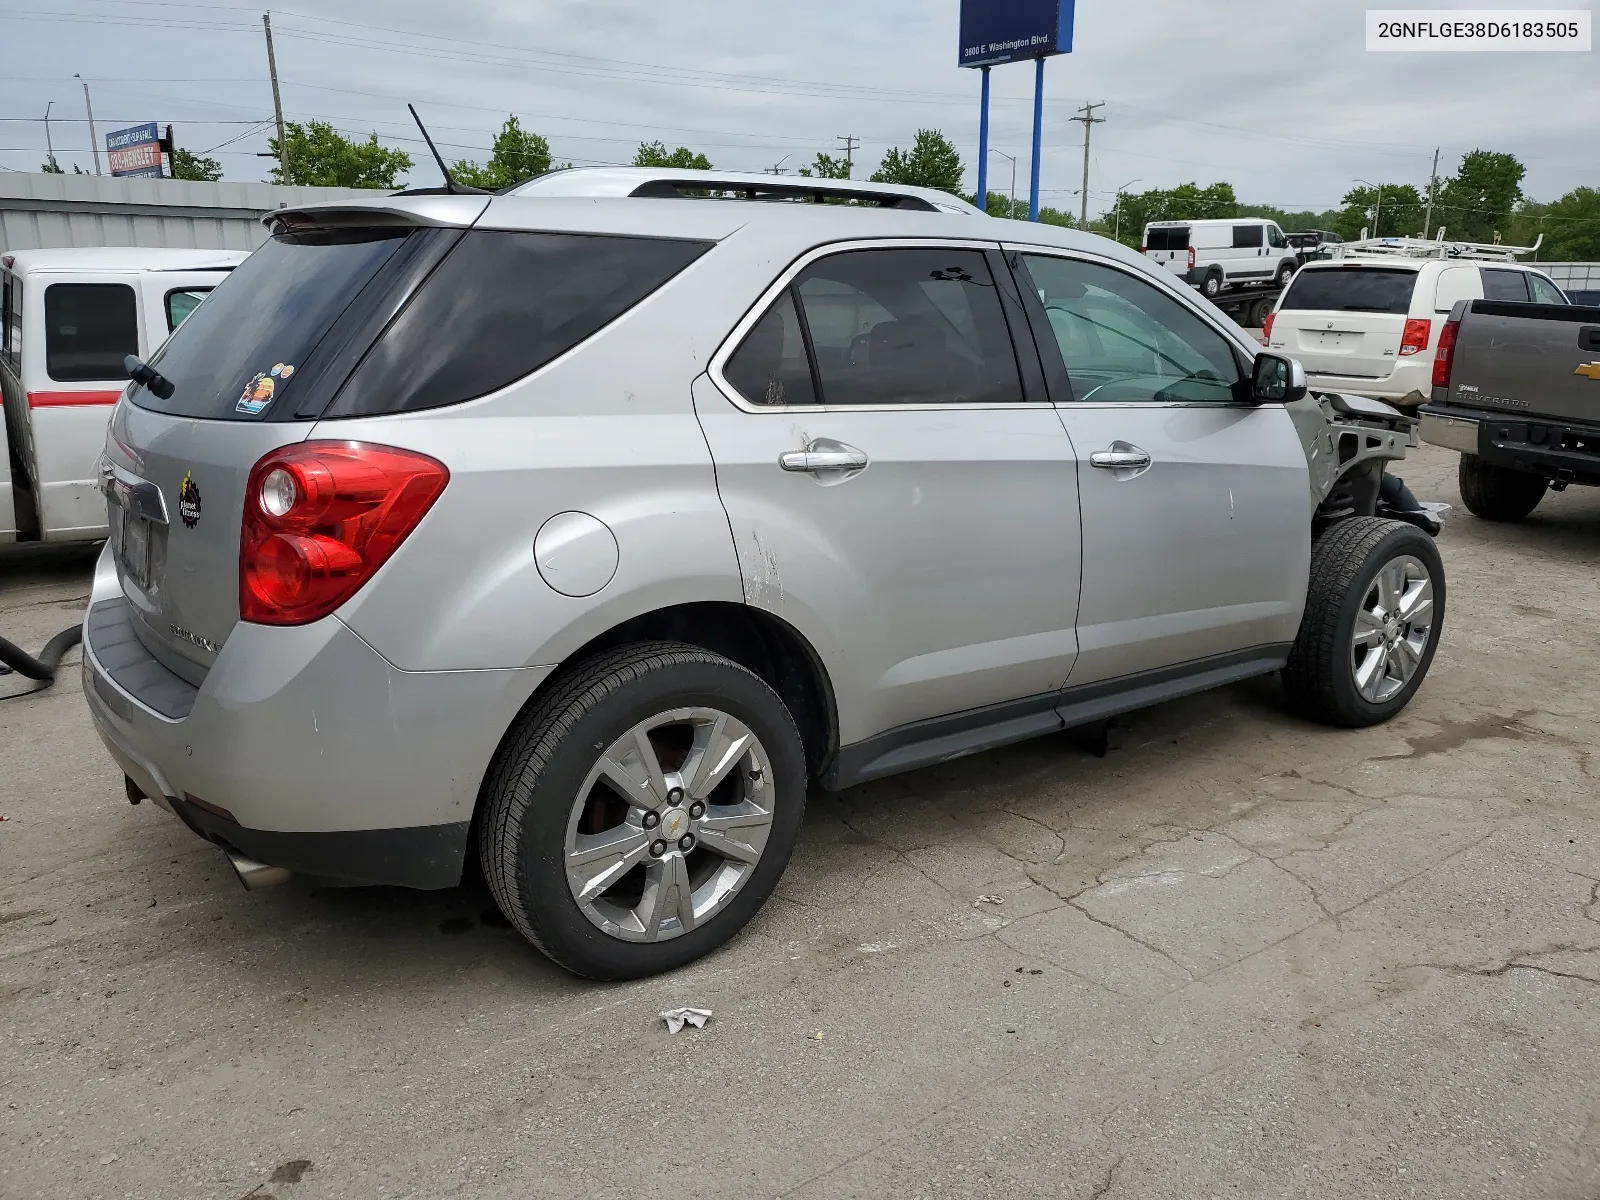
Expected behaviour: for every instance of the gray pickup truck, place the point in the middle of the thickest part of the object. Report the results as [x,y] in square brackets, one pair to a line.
[1516,389]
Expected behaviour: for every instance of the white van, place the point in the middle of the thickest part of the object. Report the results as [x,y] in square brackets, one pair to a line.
[1212,255]
[1368,322]
[67,319]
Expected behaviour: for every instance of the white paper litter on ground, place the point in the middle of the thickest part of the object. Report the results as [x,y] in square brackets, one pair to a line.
[677,1018]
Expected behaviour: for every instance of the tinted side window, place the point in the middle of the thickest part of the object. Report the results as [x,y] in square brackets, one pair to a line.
[1504,285]
[770,366]
[1545,292]
[11,322]
[1246,237]
[913,326]
[89,328]
[502,305]
[1124,340]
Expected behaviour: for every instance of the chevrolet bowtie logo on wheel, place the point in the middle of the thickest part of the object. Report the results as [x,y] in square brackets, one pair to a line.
[1592,370]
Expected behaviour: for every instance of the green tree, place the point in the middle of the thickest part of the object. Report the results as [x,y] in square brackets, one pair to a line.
[1571,228]
[1477,202]
[1186,202]
[188,165]
[319,156]
[931,162]
[655,154]
[517,155]
[51,167]
[827,166]
[1390,210]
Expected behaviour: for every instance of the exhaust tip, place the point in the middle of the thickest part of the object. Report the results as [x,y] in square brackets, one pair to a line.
[254,875]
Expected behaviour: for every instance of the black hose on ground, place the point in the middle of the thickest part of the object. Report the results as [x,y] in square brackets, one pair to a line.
[44,667]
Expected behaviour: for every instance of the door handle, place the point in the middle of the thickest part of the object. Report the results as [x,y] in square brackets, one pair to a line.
[1121,457]
[833,456]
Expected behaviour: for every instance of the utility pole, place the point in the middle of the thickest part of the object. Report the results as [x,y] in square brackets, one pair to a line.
[277,100]
[1433,183]
[850,143]
[94,139]
[50,148]
[1088,121]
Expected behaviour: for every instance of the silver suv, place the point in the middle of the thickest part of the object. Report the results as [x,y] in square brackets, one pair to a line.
[577,532]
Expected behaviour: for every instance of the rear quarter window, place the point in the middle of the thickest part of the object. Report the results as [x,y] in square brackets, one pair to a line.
[502,305]
[89,328]
[1351,289]
[11,321]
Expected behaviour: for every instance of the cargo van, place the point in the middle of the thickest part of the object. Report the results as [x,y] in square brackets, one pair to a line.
[1215,254]
[68,318]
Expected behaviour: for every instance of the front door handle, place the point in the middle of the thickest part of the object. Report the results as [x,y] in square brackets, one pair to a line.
[823,455]
[1121,457]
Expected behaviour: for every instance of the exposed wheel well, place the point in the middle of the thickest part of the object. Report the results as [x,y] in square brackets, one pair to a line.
[754,639]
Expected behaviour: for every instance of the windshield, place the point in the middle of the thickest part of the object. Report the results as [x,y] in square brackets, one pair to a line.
[1351,289]
[235,356]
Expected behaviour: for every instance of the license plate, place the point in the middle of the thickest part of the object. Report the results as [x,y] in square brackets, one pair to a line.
[133,549]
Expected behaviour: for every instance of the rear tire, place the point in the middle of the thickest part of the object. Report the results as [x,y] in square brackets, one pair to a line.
[1374,611]
[553,810]
[1498,493]
[1211,285]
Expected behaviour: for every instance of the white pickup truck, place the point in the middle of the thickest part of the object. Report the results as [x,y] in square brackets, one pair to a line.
[68,318]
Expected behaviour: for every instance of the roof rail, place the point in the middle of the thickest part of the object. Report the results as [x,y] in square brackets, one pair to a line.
[1435,247]
[674,183]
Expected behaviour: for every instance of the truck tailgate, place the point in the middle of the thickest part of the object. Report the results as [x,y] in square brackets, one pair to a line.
[1532,359]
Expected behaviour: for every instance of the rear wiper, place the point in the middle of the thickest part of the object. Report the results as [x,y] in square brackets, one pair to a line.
[142,372]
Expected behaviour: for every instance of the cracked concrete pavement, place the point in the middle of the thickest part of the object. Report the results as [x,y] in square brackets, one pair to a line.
[1241,956]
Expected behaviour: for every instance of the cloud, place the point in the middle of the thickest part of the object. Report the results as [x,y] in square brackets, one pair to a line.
[1284,101]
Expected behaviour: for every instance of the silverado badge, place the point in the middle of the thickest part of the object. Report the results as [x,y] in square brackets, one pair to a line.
[1592,370]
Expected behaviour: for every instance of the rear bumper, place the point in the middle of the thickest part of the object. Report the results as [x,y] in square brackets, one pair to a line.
[1560,451]
[1407,386]
[304,748]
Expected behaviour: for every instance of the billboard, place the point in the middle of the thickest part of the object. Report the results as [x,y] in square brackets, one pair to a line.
[135,151]
[1002,31]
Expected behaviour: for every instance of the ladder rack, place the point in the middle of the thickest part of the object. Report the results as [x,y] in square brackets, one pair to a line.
[1437,247]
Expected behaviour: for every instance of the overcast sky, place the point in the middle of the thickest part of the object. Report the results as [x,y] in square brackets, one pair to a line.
[1280,99]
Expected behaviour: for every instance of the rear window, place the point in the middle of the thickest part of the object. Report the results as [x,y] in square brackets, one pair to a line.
[89,328]
[227,360]
[502,305]
[1168,238]
[1351,289]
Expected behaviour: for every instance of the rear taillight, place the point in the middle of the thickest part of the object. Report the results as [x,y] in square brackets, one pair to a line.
[1445,352]
[320,518]
[1191,258]
[1144,249]
[1415,338]
[1266,327]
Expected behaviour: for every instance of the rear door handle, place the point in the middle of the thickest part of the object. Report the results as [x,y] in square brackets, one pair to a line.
[1121,457]
[823,455]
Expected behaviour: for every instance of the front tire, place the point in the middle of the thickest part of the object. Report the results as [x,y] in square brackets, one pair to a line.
[1498,493]
[1285,274]
[1374,610]
[641,813]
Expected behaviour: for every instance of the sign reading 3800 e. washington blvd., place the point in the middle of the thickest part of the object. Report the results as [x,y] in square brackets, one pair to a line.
[1002,31]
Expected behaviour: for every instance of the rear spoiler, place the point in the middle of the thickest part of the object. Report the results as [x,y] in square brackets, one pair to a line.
[450,212]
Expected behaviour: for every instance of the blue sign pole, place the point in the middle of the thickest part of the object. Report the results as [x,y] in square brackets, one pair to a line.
[1038,137]
[983,146]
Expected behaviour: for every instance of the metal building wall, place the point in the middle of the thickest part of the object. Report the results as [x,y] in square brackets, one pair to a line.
[39,210]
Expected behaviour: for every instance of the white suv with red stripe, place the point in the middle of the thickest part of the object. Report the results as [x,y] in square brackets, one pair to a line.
[1368,323]
[68,318]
